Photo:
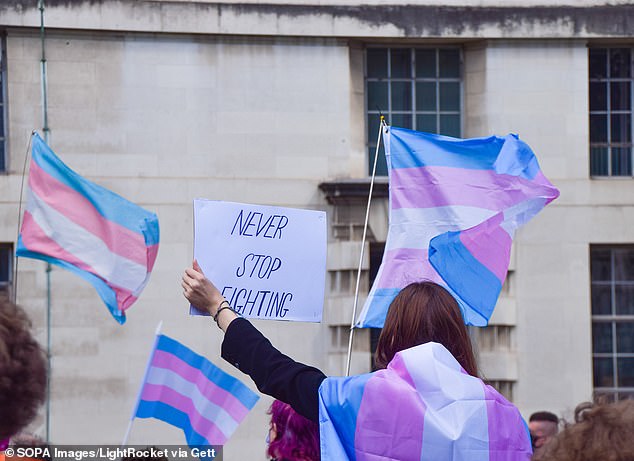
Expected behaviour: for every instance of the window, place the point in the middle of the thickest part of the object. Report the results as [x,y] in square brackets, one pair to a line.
[416,88]
[6,267]
[610,96]
[3,99]
[612,278]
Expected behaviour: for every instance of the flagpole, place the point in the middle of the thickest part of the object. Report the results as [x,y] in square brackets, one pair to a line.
[138,398]
[365,229]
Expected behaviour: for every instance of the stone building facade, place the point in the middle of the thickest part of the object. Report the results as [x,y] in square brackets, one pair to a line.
[277,103]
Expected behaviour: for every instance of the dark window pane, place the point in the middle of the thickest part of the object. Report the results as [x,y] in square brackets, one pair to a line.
[402,120]
[623,264]
[449,63]
[401,63]
[377,62]
[621,129]
[621,161]
[620,63]
[601,300]
[603,372]
[374,120]
[598,62]
[426,96]
[427,123]
[601,337]
[625,337]
[450,125]
[600,264]
[2,164]
[598,128]
[5,264]
[625,372]
[401,96]
[624,299]
[598,96]
[377,96]
[599,161]
[381,164]
[620,96]
[1,118]
[449,96]
[425,63]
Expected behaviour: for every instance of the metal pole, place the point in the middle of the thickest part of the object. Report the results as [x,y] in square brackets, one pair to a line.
[365,229]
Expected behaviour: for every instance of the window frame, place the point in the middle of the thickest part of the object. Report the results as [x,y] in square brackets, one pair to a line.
[413,79]
[609,145]
[612,392]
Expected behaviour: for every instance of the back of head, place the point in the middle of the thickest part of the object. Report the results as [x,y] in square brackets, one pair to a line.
[420,313]
[22,370]
[601,431]
[297,438]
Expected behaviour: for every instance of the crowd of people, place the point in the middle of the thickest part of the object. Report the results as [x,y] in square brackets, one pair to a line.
[421,313]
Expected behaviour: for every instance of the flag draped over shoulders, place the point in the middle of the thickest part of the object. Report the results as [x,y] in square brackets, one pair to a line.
[454,207]
[87,229]
[424,406]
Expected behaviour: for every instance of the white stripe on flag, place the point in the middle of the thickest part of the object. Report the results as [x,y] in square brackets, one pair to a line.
[208,410]
[85,246]
[456,409]
[415,227]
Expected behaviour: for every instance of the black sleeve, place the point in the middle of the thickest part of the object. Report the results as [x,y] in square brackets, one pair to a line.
[274,373]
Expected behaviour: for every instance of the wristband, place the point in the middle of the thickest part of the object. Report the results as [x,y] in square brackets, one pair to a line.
[220,308]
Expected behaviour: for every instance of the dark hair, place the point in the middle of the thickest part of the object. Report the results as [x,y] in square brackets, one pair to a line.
[420,313]
[22,370]
[544,416]
[297,437]
[601,431]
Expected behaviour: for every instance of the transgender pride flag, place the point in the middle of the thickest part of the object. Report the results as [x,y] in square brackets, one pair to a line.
[91,231]
[454,207]
[186,390]
[422,407]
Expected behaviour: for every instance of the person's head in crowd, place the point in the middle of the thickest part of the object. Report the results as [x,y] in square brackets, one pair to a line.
[30,440]
[543,426]
[22,370]
[420,313]
[291,436]
[601,431]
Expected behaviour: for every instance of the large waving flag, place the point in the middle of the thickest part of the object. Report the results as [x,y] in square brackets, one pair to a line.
[423,407]
[186,390]
[454,207]
[91,231]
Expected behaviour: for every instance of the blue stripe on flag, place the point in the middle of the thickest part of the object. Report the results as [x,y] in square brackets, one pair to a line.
[106,293]
[413,149]
[227,382]
[339,403]
[467,277]
[381,300]
[111,206]
[171,415]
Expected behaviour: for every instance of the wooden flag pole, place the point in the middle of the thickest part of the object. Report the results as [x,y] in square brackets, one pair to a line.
[365,229]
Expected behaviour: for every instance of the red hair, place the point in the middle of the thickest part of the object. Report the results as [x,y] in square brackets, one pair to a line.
[423,312]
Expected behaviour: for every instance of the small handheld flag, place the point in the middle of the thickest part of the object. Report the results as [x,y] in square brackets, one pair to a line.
[454,207]
[87,229]
[186,390]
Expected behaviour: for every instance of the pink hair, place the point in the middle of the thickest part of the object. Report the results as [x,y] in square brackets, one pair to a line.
[297,438]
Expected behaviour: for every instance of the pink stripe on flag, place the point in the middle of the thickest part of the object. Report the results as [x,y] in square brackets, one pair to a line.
[490,244]
[435,186]
[403,266]
[508,434]
[168,396]
[152,252]
[78,209]
[209,389]
[36,240]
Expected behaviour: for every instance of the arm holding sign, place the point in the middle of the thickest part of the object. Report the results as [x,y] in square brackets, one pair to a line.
[248,350]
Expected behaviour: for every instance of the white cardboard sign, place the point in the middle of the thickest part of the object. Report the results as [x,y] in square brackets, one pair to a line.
[268,262]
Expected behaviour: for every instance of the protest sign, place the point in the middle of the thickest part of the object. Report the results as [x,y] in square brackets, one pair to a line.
[268,262]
